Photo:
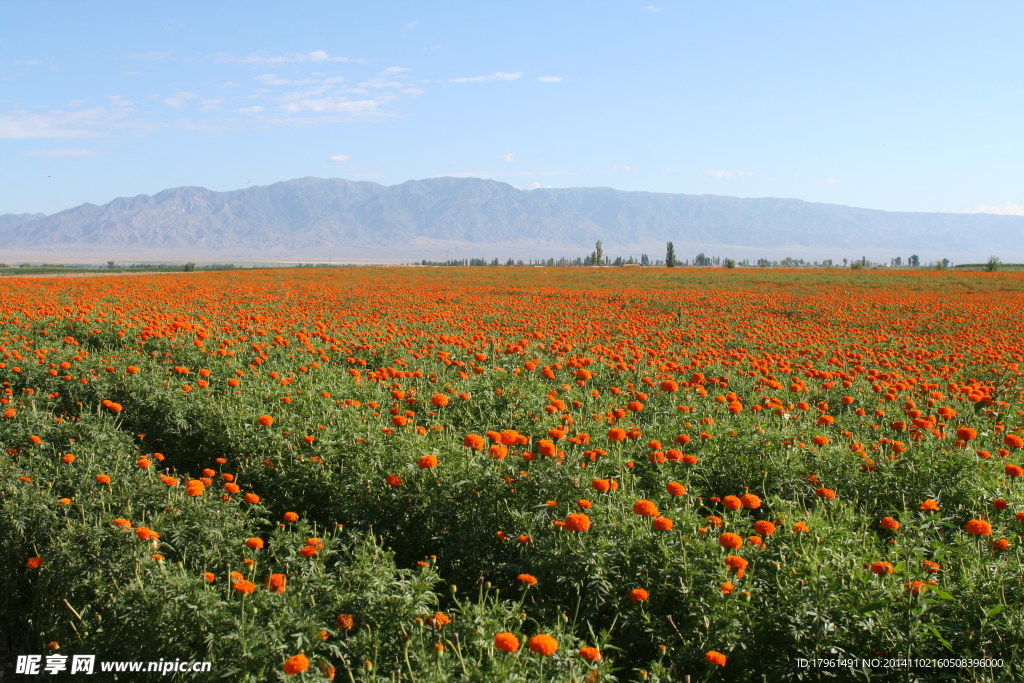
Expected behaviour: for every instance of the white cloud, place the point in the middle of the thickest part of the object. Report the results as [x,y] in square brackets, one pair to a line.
[1008,209]
[508,157]
[725,175]
[180,100]
[411,25]
[335,104]
[60,153]
[549,79]
[78,124]
[392,70]
[651,8]
[496,76]
[251,110]
[338,158]
[271,79]
[154,56]
[316,56]
[828,181]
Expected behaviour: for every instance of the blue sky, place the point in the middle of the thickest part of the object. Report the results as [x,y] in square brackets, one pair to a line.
[913,106]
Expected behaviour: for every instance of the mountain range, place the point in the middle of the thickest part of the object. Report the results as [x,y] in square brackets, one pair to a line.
[317,220]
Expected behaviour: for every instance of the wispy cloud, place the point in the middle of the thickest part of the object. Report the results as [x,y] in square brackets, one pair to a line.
[651,8]
[725,175]
[496,76]
[624,169]
[154,56]
[272,80]
[180,99]
[828,181]
[315,56]
[61,153]
[23,125]
[508,157]
[338,158]
[549,79]
[1007,209]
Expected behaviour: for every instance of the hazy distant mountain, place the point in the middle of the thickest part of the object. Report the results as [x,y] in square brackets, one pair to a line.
[311,219]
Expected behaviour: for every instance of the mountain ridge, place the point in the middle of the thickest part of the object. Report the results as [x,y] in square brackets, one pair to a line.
[455,217]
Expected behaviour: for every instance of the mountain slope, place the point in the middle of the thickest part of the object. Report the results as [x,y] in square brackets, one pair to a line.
[438,217]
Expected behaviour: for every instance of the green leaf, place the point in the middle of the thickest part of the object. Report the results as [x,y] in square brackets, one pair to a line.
[945,643]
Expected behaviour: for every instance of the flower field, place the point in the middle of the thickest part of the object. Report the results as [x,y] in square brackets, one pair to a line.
[517,474]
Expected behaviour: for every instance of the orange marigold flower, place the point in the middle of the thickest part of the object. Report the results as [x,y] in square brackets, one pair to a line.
[528,579]
[915,587]
[750,501]
[730,540]
[427,462]
[645,508]
[506,642]
[195,488]
[345,621]
[276,583]
[291,516]
[543,644]
[616,434]
[102,479]
[394,480]
[474,441]
[801,526]
[307,551]
[889,524]
[827,494]
[675,488]
[68,458]
[931,567]
[439,619]
[929,505]
[978,527]
[737,564]
[243,586]
[209,577]
[1014,470]
[1013,441]
[254,543]
[638,595]
[601,485]
[296,665]
[966,433]
[438,400]
[764,527]
[881,568]
[145,533]
[123,523]
[34,562]
[265,420]
[714,658]
[732,503]
[591,654]
[577,522]
[663,524]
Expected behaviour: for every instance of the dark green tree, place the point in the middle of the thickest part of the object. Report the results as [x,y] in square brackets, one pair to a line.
[670,255]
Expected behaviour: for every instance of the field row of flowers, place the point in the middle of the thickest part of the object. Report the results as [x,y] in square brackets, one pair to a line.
[515,474]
